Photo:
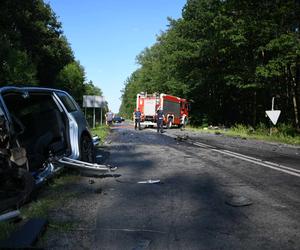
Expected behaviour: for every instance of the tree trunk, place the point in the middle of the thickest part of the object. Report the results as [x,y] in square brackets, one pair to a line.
[293,95]
[254,108]
[297,92]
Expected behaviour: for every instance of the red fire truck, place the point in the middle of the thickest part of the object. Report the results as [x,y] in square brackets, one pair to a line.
[175,109]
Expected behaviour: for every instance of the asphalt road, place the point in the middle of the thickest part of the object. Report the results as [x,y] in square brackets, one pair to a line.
[214,193]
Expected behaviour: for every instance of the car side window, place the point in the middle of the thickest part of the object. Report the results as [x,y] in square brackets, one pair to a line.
[68,103]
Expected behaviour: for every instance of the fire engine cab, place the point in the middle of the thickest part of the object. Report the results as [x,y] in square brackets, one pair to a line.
[175,109]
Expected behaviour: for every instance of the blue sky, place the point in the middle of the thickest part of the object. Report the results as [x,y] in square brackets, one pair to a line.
[107,35]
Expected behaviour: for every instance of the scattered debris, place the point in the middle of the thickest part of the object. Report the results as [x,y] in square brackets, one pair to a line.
[149,182]
[91,169]
[10,215]
[111,168]
[238,201]
[182,138]
[26,236]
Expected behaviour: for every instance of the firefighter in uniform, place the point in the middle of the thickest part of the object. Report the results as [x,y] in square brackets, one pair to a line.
[160,120]
[137,119]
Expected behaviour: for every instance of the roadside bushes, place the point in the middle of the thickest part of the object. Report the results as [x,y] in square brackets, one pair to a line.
[282,132]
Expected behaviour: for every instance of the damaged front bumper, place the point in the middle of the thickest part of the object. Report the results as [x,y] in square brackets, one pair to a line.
[54,165]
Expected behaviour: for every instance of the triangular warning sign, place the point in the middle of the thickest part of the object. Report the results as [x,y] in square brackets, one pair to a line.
[273,115]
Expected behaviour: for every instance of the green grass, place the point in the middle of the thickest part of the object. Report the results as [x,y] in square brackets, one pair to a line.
[54,195]
[5,229]
[102,132]
[281,133]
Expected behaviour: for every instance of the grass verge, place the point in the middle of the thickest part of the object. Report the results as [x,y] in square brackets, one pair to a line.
[102,132]
[282,133]
[46,200]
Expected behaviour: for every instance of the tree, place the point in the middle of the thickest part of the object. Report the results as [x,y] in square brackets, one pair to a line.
[32,36]
[230,57]
[91,89]
[71,78]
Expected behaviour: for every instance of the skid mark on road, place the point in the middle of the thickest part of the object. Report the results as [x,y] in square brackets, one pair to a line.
[257,161]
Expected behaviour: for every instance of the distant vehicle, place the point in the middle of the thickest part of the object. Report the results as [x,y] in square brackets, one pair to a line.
[41,130]
[118,119]
[176,109]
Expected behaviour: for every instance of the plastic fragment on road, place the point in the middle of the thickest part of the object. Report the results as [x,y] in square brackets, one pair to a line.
[26,236]
[238,201]
[149,182]
[182,138]
[10,215]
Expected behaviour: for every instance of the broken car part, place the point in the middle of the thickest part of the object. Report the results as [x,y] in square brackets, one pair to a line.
[149,182]
[86,166]
[10,215]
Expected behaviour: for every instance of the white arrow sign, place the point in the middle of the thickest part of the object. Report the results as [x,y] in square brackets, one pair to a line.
[273,115]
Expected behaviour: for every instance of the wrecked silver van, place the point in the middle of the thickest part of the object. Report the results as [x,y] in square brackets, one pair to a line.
[41,131]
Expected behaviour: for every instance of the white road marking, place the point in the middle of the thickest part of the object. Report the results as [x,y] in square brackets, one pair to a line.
[268,164]
[261,163]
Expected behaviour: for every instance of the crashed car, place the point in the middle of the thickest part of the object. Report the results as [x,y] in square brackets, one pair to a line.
[41,131]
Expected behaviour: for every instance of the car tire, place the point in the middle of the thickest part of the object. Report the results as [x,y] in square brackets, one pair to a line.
[87,149]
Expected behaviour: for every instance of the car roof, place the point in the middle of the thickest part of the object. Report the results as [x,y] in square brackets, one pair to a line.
[8,89]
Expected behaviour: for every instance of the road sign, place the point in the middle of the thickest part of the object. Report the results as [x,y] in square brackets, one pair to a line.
[273,115]
[93,101]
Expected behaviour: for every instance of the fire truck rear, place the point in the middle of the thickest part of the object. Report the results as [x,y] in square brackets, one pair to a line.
[175,109]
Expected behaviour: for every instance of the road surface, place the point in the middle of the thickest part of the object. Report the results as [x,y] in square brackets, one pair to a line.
[214,192]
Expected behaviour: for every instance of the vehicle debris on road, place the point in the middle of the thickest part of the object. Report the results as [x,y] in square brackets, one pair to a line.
[238,201]
[182,138]
[149,182]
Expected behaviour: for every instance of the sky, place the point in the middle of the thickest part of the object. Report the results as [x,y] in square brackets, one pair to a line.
[107,35]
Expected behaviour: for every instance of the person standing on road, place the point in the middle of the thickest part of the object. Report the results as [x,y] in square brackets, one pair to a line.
[109,117]
[137,119]
[160,120]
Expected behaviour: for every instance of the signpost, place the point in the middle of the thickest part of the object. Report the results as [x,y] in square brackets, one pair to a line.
[273,114]
[94,101]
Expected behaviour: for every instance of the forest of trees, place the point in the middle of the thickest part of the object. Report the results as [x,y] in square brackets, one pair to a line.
[34,51]
[229,58]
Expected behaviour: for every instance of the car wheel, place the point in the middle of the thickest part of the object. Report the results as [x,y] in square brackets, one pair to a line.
[87,150]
